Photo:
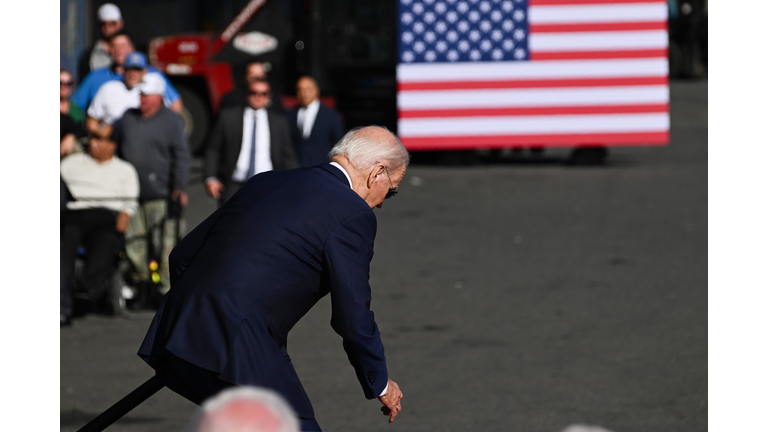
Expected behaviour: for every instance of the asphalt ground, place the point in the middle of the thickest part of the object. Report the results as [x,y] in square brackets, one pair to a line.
[516,294]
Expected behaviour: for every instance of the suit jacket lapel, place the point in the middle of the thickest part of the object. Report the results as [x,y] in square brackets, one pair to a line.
[319,119]
[233,142]
[237,131]
[273,144]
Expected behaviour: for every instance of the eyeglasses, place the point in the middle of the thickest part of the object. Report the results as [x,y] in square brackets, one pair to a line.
[262,94]
[392,192]
[65,83]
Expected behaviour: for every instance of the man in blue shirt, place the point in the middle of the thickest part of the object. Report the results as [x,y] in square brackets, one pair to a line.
[121,46]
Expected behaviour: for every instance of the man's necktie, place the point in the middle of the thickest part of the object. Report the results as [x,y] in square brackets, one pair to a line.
[252,161]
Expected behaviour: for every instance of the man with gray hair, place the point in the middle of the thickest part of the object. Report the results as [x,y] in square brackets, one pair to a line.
[246,275]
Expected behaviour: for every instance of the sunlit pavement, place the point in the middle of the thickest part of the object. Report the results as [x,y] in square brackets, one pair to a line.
[511,296]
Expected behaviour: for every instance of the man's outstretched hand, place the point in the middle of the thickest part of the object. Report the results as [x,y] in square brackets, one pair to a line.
[391,401]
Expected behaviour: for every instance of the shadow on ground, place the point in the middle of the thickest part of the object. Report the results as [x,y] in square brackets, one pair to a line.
[77,418]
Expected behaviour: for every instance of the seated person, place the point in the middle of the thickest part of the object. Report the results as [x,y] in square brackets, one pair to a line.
[106,190]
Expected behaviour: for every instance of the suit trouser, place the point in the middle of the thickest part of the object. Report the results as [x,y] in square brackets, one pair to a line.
[198,384]
[95,230]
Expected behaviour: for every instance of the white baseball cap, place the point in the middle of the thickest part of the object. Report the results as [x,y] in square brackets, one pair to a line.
[152,83]
[109,12]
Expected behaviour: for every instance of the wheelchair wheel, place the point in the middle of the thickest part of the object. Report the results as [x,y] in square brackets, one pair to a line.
[116,301]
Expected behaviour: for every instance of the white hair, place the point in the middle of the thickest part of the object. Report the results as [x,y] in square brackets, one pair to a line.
[247,409]
[366,146]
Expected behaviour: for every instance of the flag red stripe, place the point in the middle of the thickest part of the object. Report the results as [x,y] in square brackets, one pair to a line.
[539,83]
[570,140]
[595,55]
[585,2]
[597,27]
[533,111]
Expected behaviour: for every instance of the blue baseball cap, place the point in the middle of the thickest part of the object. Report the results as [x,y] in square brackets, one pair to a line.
[135,60]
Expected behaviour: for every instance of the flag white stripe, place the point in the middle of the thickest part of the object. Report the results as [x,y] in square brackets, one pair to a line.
[556,69]
[562,124]
[589,41]
[574,14]
[510,98]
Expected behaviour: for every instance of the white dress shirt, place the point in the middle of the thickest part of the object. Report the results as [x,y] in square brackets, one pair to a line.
[306,117]
[263,157]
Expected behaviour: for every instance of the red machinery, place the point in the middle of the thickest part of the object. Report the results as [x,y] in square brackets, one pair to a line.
[200,65]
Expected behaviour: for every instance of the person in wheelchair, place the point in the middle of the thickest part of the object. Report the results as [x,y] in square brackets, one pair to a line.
[105,189]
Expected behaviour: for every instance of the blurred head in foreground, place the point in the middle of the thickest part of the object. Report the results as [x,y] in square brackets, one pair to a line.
[247,409]
[584,428]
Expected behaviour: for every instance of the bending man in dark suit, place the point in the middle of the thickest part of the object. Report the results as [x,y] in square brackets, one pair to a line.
[245,141]
[244,277]
[315,128]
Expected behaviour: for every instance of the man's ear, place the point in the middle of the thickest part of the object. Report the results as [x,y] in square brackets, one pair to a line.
[376,171]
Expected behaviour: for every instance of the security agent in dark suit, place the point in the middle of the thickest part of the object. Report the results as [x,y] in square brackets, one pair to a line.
[315,128]
[244,277]
[245,141]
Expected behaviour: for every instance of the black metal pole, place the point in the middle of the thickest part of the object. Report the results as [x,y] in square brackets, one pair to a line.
[124,405]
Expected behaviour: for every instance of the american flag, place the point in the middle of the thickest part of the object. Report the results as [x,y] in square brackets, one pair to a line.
[495,73]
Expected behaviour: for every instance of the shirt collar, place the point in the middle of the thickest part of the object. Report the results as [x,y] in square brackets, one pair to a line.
[313,106]
[346,174]
[250,110]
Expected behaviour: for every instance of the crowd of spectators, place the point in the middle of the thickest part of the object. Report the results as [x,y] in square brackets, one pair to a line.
[125,158]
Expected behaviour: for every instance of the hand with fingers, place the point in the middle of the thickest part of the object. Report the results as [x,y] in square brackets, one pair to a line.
[391,400]
[181,196]
[214,188]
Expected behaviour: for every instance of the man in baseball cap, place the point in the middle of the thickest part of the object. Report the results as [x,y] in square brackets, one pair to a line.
[108,12]
[115,97]
[135,60]
[152,139]
[98,55]
[152,84]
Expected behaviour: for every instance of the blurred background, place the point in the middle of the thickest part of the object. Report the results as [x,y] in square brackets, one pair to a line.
[350,48]
[518,285]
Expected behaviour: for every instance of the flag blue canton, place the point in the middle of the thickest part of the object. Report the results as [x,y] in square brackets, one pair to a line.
[462,31]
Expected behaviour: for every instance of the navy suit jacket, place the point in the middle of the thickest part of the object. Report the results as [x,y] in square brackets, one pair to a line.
[326,131]
[243,278]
